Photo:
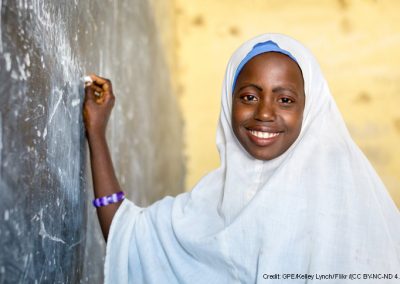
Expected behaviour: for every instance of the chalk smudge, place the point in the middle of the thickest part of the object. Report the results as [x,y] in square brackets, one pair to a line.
[7,58]
[43,231]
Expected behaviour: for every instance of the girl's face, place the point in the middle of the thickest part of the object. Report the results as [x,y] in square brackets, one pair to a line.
[268,104]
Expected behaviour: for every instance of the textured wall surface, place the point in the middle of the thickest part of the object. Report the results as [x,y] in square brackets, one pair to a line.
[48,230]
[356,42]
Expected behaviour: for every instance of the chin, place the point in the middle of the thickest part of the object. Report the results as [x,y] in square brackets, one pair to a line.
[263,156]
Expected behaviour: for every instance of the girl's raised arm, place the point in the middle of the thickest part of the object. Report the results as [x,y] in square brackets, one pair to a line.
[99,101]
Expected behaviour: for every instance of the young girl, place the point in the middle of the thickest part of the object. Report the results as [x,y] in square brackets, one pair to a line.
[294,200]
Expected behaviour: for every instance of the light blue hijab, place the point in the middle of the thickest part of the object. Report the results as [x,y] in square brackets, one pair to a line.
[262,47]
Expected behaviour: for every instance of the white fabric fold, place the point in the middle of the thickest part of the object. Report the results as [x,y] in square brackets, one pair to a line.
[319,208]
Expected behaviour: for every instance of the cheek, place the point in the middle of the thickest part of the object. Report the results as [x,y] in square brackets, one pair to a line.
[236,116]
[241,114]
[294,122]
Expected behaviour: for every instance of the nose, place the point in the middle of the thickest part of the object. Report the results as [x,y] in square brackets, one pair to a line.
[265,111]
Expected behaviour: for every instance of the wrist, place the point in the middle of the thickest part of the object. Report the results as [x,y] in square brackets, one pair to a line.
[95,135]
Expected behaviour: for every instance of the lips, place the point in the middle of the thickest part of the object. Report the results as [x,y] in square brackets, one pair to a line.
[262,134]
[263,137]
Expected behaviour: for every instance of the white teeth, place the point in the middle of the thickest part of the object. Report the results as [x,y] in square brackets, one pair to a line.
[261,134]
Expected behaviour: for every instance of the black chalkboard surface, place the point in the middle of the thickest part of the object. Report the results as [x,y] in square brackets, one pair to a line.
[48,229]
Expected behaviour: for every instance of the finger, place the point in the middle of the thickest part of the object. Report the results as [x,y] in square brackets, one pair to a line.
[108,97]
[104,83]
[89,93]
[100,100]
[93,92]
[105,97]
[95,88]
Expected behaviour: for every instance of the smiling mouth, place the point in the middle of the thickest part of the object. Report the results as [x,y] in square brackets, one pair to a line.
[263,135]
[262,138]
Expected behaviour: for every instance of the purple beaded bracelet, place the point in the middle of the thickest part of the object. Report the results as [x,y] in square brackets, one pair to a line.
[109,199]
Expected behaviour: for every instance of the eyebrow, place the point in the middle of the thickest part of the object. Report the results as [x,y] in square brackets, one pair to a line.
[250,85]
[280,89]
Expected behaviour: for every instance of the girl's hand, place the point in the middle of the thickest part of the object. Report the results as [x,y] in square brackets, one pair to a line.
[98,104]
[99,101]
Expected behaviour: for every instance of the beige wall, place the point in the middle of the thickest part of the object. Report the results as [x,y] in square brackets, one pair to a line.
[356,42]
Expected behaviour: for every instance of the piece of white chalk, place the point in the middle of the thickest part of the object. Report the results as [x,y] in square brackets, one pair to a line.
[87,80]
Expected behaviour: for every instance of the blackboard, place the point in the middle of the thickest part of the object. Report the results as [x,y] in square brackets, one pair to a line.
[48,229]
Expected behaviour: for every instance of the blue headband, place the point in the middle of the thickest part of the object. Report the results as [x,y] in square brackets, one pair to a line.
[262,47]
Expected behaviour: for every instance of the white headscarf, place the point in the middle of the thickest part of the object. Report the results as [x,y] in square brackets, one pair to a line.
[317,209]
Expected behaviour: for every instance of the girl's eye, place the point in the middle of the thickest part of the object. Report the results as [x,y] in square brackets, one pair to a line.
[286,100]
[249,98]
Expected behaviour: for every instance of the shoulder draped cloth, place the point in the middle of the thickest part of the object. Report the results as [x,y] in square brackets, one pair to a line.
[317,209]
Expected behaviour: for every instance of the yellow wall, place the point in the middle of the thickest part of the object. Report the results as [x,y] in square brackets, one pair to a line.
[356,42]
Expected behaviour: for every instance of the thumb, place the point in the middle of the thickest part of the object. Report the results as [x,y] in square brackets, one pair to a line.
[89,93]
